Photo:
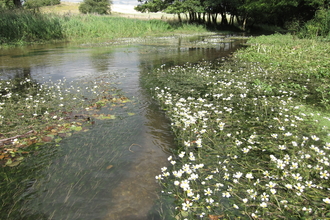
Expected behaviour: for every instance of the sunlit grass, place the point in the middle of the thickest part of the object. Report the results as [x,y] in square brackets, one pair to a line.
[251,144]
[22,27]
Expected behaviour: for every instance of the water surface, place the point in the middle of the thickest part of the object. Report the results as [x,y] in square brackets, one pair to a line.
[107,172]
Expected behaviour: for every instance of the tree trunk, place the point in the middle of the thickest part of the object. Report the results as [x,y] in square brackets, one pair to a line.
[244,23]
[179,17]
[17,3]
[224,20]
[214,18]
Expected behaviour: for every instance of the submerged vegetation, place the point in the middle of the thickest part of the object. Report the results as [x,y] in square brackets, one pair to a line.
[33,114]
[253,133]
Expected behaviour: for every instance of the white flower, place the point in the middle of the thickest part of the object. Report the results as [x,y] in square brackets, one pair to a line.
[207,192]
[273,191]
[245,150]
[326,200]
[185,185]
[324,174]
[159,177]
[264,197]
[249,176]
[289,186]
[315,138]
[186,205]
[226,194]
[182,154]
[209,200]
[271,184]
[191,156]
[237,175]
[263,205]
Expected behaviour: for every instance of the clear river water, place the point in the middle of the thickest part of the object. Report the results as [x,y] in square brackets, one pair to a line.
[107,172]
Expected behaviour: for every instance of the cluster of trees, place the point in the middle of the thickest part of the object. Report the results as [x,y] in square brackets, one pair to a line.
[245,12]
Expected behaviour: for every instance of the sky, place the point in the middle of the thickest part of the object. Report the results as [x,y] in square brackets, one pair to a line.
[125,2]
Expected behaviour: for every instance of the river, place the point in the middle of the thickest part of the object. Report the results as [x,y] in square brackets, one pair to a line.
[108,172]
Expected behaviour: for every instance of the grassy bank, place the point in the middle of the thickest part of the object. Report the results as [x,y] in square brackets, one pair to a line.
[253,133]
[22,27]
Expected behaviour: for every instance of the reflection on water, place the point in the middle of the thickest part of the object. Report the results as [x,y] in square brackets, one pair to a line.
[108,172]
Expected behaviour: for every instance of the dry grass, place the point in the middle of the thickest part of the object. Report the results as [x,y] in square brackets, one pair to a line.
[117,10]
[63,8]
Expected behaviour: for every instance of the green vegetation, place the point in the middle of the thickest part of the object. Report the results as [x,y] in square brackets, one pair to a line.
[33,114]
[244,13]
[22,26]
[95,6]
[253,132]
[318,26]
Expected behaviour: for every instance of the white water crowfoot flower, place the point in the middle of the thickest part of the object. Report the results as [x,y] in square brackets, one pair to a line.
[272,156]
[263,205]
[326,200]
[186,205]
[207,192]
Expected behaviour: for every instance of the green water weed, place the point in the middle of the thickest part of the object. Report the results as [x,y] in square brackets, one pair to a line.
[37,113]
[248,148]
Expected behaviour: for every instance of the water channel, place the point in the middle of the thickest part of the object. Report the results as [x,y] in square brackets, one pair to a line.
[109,171]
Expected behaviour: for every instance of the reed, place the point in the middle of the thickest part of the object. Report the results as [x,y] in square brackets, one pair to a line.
[20,26]
[23,26]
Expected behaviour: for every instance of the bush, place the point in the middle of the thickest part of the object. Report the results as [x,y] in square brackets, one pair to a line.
[95,6]
[318,26]
[5,4]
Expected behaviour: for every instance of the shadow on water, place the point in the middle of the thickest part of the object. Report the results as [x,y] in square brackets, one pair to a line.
[107,172]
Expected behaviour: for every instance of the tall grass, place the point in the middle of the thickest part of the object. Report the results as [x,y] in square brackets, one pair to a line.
[107,27]
[22,26]
[27,26]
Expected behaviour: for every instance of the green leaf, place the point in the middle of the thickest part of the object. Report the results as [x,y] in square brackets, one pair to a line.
[130,113]
[9,161]
[104,117]
[126,100]
[76,128]
[184,214]
[58,140]
[15,163]
[19,158]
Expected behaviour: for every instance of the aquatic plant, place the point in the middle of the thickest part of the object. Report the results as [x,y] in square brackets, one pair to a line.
[33,113]
[251,142]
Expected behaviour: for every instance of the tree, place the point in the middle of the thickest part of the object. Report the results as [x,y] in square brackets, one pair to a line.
[95,6]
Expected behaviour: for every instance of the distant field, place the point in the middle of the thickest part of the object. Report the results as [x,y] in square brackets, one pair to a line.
[63,8]
[117,10]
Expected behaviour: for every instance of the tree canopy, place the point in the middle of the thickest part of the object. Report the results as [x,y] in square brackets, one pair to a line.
[273,12]
[95,6]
